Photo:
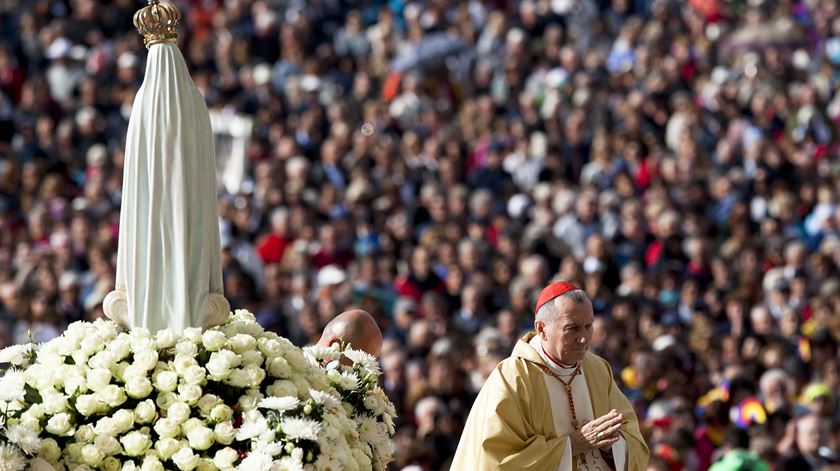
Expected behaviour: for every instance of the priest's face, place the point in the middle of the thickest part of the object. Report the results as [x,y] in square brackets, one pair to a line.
[567,337]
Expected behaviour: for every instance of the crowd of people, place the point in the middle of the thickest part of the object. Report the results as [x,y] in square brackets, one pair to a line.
[437,163]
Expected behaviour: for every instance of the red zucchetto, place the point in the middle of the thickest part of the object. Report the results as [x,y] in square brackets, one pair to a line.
[552,291]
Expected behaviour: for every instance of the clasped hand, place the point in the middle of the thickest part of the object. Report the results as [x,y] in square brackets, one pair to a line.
[600,433]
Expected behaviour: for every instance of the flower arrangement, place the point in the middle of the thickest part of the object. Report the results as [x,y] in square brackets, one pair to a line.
[354,374]
[231,397]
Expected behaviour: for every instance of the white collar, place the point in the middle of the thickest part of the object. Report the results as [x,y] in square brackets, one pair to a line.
[554,367]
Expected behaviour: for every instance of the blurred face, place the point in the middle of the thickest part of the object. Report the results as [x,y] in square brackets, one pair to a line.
[809,434]
[567,337]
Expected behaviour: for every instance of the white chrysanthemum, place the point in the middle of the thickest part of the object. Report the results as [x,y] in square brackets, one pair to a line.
[280,404]
[328,400]
[251,429]
[11,386]
[15,354]
[24,437]
[11,459]
[368,430]
[256,461]
[301,429]
[269,445]
[288,464]
[348,381]
[366,360]
[320,353]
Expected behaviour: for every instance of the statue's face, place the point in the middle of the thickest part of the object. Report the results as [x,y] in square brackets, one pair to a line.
[567,337]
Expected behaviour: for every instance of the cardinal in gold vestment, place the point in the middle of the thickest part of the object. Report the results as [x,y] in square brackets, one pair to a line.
[513,424]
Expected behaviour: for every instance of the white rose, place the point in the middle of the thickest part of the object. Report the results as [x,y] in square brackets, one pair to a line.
[88,404]
[145,411]
[193,334]
[146,359]
[178,412]
[111,464]
[165,381]
[190,425]
[242,342]
[333,376]
[165,400]
[60,425]
[252,357]
[302,387]
[136,443]
[221,413]
[166,447]
[74,451]
[185,460]
[194,375]
[297,359]
[39,464]
[91,455]
[218,368]
[112,395]
[282,388]
[118,370]
[104,359]
[269,347]
[138,388]
[167,428]
[33,423]
[206,464]
[141,339]
[182,362]
[84,434]
[200,438]
[279,368]
[249,377]
[225,458]
[165,338]
[151,463]
[224,432]
[120,347]
[248,402]
[49,450]
[213,340]
[239,378]
[74,384]
[186,348]
[98,378]
[133,371]
[54,403]
[107,444]
[189,393]
[107,426]
[207,403]
[80,357]
[124,420]
[90,344]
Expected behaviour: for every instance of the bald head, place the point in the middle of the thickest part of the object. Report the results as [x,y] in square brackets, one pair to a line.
[356,327]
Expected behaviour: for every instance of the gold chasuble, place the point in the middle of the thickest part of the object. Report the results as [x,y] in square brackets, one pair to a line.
[512,425]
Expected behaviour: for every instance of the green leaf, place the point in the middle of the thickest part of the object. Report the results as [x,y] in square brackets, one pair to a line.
[31,395]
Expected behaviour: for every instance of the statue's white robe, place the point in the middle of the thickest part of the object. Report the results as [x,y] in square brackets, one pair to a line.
[169,262]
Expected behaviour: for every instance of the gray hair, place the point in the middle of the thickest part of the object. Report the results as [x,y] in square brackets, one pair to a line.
[548,311]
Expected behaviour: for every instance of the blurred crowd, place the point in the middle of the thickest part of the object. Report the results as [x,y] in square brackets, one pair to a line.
[677,160]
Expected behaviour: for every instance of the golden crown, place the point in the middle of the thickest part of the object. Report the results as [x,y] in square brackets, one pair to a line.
[158,23]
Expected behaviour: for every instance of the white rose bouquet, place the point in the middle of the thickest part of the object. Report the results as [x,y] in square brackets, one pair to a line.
[231,397]
[358,386]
